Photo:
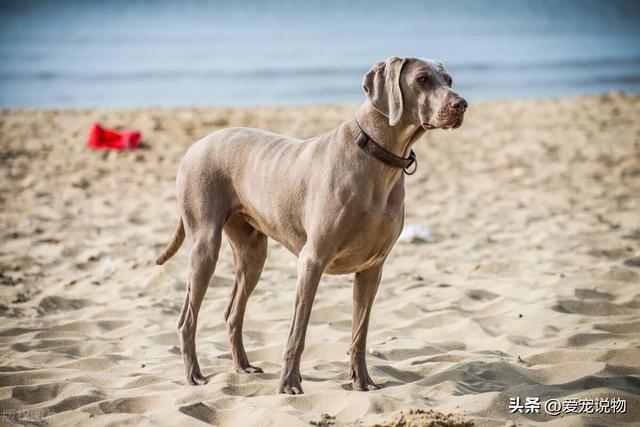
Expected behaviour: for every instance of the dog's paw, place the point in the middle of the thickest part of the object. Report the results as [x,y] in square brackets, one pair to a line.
[362,382]
[249,369]
[291,386]
[364,385]
[196,378]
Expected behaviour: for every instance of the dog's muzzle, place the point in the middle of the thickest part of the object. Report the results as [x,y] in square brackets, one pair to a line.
[452,114]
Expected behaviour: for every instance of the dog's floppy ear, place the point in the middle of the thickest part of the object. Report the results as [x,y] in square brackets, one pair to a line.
[382,86]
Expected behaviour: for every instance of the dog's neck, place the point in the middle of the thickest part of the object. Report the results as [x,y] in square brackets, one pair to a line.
[397,139]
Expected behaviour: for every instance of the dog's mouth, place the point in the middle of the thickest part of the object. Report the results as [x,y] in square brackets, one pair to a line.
[446,119]
[455,123]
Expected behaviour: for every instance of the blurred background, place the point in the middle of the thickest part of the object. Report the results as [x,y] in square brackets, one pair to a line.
[122,53]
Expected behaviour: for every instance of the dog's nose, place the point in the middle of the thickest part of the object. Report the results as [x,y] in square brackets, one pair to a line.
[458,104]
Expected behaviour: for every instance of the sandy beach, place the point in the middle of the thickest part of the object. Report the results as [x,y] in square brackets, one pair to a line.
[528,284]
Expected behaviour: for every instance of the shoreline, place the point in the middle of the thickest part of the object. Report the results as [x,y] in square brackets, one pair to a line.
[483,101]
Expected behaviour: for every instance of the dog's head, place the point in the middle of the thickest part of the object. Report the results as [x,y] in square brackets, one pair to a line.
[417,90]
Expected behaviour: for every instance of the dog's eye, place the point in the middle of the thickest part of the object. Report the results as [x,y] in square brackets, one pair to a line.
[449,80]
[422,79]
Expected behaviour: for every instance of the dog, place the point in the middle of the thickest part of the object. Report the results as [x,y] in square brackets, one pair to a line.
[335,200]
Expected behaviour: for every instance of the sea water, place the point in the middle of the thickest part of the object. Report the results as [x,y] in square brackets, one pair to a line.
[125,53]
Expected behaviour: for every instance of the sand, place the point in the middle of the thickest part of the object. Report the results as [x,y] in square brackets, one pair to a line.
[529,284]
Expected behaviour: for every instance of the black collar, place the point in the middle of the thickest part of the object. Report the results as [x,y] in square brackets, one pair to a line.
[369,146]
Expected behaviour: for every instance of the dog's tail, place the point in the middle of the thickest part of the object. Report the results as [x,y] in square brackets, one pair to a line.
[176,241]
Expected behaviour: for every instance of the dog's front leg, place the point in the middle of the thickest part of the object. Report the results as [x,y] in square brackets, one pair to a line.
[310,269]
[365,286]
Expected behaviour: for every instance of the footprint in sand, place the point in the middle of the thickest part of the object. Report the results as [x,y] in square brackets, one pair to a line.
[55,304]
[632,262]
[590,308]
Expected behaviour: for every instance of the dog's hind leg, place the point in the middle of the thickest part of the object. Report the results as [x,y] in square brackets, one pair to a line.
[202,262]
[249,253]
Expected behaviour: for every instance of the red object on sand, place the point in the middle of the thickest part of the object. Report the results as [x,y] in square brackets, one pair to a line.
[109,139]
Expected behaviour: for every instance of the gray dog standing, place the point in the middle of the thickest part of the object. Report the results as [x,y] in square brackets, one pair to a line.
[335,200]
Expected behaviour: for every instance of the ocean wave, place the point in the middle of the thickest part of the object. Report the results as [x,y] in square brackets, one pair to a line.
[309,72]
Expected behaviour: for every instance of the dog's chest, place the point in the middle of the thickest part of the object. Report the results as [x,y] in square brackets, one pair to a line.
[367,240]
